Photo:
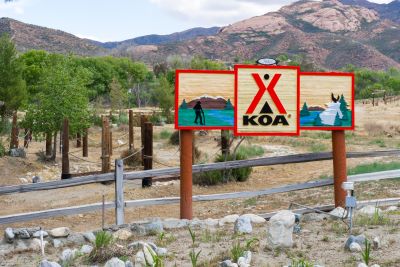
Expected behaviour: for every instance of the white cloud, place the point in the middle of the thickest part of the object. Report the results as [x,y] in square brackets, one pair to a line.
[16,6]
[214,12]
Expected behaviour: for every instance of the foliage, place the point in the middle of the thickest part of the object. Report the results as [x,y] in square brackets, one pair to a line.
[164,94]
[200,63]
[237,251]
[12,86]
[304,111]
[376,219]
[132,158]
[174,139]
[118,95]
[251,151]
[301,263]
[194,257]
[165,134]
[102,246]
[374,167]
[366,253]
[2,150]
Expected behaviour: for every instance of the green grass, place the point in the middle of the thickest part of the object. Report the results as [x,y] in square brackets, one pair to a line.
[374,167]
[165,134]
[251,151]
[378,142]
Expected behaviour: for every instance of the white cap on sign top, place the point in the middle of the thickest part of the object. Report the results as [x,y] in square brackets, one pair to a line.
[267,61]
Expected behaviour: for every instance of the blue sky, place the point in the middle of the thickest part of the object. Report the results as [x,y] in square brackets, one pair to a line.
[124,19]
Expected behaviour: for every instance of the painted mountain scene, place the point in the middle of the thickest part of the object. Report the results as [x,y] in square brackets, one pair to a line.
[327,101]
[205,107]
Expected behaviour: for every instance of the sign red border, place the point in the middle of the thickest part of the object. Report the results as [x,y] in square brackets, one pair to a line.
[177,127]
[298,101]
[350,74]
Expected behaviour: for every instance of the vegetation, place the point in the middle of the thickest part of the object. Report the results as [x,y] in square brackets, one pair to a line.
[374,167]
[300,263]
[194,256]
[366,253]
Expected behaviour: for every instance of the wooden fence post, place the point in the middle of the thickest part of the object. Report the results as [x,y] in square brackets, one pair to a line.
[148,152]
[225,142]
[131,133]
[85,144]
[78,140]
[110,145]
[14,132]
[339,166]
[186,138]
[105,138]
[119,192]
[65,174]
[143,120]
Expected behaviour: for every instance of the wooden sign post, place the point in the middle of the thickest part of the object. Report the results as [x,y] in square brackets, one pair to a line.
[186,139]
[339,166]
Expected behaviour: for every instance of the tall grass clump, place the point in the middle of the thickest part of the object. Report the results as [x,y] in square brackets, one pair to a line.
[251,151]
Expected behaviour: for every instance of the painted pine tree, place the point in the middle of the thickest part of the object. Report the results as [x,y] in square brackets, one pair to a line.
[338,121]
[343,108]
[183,105]
[318,121]
[304,111]
[228,105]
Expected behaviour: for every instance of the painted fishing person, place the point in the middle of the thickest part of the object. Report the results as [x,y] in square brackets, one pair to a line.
[199,114]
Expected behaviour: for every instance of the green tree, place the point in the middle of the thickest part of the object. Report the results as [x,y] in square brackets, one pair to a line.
[318,121]
[118,96]
[338,121]
[343,108]
[12,86]
[164,95]
[183,105]
[228,105]
[304,111]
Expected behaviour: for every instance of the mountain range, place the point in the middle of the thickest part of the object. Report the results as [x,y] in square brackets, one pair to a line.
[330,33]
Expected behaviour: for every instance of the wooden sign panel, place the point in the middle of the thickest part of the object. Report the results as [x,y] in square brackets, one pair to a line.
[327,101]
[267,100]
[204,99]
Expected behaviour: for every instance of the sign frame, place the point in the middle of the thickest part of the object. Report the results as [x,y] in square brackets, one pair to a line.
[333,128]
[235,130]
[202,127]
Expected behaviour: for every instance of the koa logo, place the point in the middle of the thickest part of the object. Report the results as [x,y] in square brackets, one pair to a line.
[266,116]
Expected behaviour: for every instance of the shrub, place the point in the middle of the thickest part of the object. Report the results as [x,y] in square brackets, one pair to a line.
[134,160]
[2,150]
[165,134]
[96,120]
[174,138]
[104,248]
[5,126]
[157,119]
[216,177]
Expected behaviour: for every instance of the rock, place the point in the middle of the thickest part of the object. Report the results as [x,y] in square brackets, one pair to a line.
[59,232]
[281,229]
[35,244]
[360,239]
[391,208]
[9,235]
[86,249]
[17,152]
[242,262]
[90,237]
[247,256]
[355,247]
[122,234]
[314,217]
[228,219]
[136,245]
[376,243]
[120,142]
[227,263]
[57,243]
[114,262]
[36,179]
[209,222]
[148,228]
[362,265]
[45,263]
[254,218]
[161,252]
[175,223]
[75,239]
[23,180]
[369,210]
[37,234]
[68,255]
[21,246]
[148,252]
[338,213]
[243,225]
[140,260]
[23,234]
[128,264]
[152,245]
[375,265]
[5,249]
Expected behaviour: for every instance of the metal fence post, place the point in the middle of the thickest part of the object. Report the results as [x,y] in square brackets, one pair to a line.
[119,192]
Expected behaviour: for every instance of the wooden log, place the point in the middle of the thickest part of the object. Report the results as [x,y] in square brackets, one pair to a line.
[65,173]
[148,152]
[119,192]
[105,138]
[85,144]
[14,142]
[143,120]
[131,132]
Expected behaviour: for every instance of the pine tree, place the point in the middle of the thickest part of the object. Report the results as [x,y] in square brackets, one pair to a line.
[343,108]
[183,105]
[318,121]
[228,105]
[304,111]
[338,121]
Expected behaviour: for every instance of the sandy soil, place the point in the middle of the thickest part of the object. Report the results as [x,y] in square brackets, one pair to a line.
[376,128]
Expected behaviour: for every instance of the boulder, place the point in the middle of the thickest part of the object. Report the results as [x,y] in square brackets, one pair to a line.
[355,247]
[128,264]
[391,208]
[243,225]
[86,249]
[247,256]
[57,243]
[24,234]
[17,152]
[37,234]
[148,228]
[148,254]
[46,263]
[59,232]
[9,235]
[161,252]
[36,245]
[281,229]
[68,255]
[254,218]
[360,239]
[21,246]
[228,263]
[242,262]
[75,239]
[375,265]
[228,219]
[376,243]
[210,223]
[136,245]
[115,262]
[122,234]
[90,237]
[362,265]
[369,210]
[36,179]
[140,261]
[338,213]
[175,223]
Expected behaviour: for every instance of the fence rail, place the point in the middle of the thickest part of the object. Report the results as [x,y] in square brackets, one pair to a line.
[266,161]
[22,217]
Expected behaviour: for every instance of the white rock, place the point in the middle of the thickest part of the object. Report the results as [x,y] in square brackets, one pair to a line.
[140,260]
[9,235]
[45,263]
[242,262]
[338,213]
[355,247]
[68,255]
[161,252]
[369,210]
[280,229]
[136,245]
[57,243]
[362,265]
[375,265]
[148,254]
[211,222]
[120,142]
[175,223]
[59,232]
[86,249]
[37,234]
[90,237]
[391,208]
[376,243]
[122,234]
[228,219]
[115,262]
[247,256]
[36,245]
[128,264]
[255,218]
[243,225]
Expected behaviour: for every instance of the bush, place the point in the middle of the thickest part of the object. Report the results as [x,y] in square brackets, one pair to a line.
[133,161]
[5,126]
[2,150]
[96,120]
[157,119]
[165,134]
[217,177]
[105,249]
[174,139]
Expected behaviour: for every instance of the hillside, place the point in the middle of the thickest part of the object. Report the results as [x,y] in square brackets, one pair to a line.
[387,11]
[329,33]
[27,36]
